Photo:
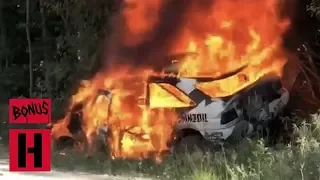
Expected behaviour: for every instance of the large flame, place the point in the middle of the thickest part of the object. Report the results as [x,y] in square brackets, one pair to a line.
[226,35]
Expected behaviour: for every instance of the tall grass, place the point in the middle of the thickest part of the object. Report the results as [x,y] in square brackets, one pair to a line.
[250,160]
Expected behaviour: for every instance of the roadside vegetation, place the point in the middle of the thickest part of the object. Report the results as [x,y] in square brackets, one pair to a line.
[249,160]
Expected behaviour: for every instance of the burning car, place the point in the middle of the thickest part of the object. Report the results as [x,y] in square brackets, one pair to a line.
[196,117]
[219,119]
[225,85]
[204,119]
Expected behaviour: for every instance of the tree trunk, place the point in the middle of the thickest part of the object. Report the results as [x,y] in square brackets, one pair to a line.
[29,49]
[3,48]
[45,56]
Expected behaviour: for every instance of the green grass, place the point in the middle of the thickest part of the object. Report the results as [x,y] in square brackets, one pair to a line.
[249,160]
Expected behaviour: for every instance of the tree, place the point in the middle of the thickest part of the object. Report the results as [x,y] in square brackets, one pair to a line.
[29,49]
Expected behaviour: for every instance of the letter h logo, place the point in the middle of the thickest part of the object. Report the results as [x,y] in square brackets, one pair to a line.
[30,150]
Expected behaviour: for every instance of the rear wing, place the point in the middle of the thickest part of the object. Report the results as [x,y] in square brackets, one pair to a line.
[172,91]
[161,92]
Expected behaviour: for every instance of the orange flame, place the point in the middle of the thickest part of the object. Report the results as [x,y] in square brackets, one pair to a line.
[225,36]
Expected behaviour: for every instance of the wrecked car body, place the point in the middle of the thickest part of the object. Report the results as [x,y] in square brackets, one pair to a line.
[201,117]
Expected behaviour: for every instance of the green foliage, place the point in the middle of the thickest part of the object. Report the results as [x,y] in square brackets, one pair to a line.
[314,8]
[64,39]
[250,160]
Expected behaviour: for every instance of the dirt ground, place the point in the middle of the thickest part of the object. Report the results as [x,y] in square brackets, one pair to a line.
[54,174]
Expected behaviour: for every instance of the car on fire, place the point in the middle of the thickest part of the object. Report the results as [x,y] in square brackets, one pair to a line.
[205,120]
[224,118]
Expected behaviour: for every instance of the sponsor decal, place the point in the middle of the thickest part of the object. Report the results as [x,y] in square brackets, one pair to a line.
[193,118]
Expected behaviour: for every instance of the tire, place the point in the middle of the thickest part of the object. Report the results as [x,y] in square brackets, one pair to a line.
[243,129]
[189,144]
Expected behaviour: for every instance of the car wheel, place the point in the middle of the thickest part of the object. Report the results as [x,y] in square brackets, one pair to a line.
[189,144]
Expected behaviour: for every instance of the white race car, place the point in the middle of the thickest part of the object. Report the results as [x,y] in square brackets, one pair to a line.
[229,118]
